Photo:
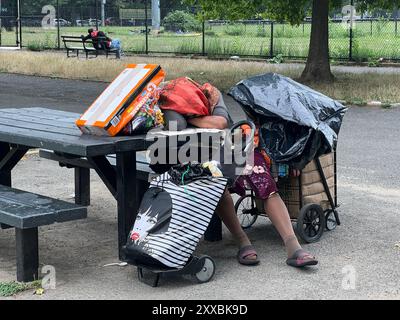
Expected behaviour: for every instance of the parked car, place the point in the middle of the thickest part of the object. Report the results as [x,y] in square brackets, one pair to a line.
[81,23]
[87,22]
[30,22]
[92,22]
[62,22]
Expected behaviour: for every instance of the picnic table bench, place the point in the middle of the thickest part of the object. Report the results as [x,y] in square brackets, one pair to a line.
[26,212]
[77,43]
[113,158]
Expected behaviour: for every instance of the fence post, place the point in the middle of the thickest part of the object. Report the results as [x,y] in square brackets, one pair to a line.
[146,26]
[58,25]
[19,14]
[271,50]
[351,34]
[17,25]
[97,14]
[371,26]
[203,45]
[351,44]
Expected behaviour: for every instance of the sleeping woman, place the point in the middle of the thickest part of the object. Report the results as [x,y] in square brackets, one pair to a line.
[264,187]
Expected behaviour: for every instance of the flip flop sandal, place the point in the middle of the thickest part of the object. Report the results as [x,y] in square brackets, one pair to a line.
[246,252]
[301,259]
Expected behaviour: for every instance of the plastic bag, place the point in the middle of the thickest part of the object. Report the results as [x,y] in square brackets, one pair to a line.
[296,122]
[149,116]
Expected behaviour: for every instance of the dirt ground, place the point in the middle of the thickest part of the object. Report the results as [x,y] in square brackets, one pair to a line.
[365,248]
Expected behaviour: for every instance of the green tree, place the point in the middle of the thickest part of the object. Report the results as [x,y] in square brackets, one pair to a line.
[294,11]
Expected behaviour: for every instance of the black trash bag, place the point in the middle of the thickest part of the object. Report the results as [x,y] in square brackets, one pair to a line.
[296,122]
[185,173]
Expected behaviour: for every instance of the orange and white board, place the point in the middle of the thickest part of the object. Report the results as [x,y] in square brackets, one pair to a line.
[121,100]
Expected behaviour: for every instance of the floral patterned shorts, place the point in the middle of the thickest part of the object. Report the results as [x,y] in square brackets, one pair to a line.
[257,178]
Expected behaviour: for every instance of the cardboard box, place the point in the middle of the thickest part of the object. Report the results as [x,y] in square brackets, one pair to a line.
[325,160]
[312,188]
[122,99]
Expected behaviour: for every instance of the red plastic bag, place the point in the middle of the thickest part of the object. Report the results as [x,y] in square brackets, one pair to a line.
[185,97]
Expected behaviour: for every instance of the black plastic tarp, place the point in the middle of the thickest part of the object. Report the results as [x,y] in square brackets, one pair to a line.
[296,122]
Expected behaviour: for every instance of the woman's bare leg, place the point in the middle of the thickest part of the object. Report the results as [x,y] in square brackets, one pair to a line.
[279,216]
[226,211]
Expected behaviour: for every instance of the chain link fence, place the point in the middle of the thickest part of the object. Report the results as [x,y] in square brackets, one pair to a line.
[183,33]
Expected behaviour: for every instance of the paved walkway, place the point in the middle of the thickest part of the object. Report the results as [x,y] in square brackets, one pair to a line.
[366,245]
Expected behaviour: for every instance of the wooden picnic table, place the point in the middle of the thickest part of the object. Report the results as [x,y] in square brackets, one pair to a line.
[27,128]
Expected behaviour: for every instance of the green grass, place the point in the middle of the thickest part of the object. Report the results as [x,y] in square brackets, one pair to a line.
[374,40]
[8,289]
[354,88]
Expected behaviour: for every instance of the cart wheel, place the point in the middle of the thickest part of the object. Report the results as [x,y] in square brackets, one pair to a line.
[310,223]
[246,211]
[207,270]
[331,223]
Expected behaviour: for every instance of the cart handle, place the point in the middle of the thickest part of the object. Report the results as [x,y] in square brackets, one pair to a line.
[249,139]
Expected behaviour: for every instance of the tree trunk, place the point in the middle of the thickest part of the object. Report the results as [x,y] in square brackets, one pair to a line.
[318,67]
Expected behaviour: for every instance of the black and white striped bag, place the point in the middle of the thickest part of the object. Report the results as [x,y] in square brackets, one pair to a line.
[172,219]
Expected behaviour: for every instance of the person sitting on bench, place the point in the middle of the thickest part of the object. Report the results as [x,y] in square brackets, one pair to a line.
[106,43]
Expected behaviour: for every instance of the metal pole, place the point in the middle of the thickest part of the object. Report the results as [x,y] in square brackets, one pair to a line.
[17,26]
[351,33]
[371,26]
[103,14]
[58,25]
[203,47]
[97,14]
[146,26]
[19,13]
[351,45]
[271,51]
[155,15]
[1,26]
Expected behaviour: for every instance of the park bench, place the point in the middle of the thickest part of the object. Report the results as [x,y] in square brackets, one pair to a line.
[77,43]
[25,212]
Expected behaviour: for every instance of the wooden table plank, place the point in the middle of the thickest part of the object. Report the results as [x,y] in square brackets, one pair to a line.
[62,122]
[66,114]
[45,111]
[23,209]
[77,145]
[58,132]
[30,123]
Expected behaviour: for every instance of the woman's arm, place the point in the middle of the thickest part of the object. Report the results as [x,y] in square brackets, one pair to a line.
[86,38]
[209,122]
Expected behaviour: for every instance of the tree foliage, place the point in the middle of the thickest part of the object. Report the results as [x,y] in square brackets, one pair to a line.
[292,11]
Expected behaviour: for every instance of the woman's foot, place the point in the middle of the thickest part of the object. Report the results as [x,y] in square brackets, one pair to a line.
[301,258]
[247,255]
